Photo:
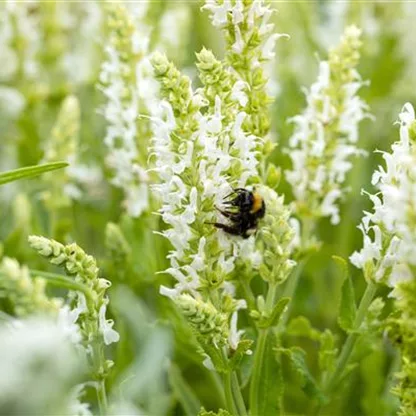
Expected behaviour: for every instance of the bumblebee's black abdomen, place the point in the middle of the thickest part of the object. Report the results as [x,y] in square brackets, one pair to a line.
[245,209]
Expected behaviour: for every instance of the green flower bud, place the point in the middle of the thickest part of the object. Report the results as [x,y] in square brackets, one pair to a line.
[205,319]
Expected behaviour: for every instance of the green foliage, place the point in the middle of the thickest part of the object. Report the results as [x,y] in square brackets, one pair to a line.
[347,307]
[297,359]
[29,172]
[266,380]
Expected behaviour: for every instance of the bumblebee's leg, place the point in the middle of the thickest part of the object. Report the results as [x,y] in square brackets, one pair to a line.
[228,229]
[237,192]
[248,232]
[233,216]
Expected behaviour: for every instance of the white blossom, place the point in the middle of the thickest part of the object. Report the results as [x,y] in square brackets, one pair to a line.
[106,327]
[389,245]
[124,102]
[325,136]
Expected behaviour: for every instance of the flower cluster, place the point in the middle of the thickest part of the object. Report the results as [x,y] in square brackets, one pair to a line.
[326,132]
[250,42]
[204,317]
[277,237]
[206,143]
[89,313]
[192,161]
[389,238]
[26,294]
[120,84]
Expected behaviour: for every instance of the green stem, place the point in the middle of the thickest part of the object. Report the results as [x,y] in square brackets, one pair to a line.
[102,397]
[352,338]
[238,397]
[256,384]
[219,391]
[249,296]
[98,369]
[231,407]
[256,375]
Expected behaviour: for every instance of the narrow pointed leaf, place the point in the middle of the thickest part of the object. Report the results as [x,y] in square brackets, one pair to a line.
[274,317]
[29,172]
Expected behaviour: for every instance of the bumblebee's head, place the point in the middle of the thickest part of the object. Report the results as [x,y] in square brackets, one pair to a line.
[258,207]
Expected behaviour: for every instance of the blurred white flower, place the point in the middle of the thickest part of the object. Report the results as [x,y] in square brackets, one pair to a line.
[325,135]
[122,81]
[39,366]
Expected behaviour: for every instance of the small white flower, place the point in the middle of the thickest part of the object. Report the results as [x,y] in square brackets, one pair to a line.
[106,327]
[235,335]
[67,319]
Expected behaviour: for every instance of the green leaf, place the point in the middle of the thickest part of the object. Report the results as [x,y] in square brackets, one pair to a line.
[242,348]
[307,382]
[274,317]
[301,327]
[183,392]
[327,351]
[266,388]
[347,308]
[29,172]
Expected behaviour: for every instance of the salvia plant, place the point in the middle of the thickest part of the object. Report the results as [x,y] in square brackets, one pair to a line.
[207,208]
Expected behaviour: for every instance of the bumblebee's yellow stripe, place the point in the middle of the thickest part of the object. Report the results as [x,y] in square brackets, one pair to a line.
[257,203]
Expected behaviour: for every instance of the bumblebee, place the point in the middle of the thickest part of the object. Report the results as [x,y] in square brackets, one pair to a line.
[244,210]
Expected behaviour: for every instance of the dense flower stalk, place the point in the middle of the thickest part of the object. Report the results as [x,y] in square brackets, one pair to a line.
[206,143]
[326,133]
[250,42]
[388,251]
[184,165]
[120,84]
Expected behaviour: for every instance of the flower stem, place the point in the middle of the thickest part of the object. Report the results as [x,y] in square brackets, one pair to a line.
[98,364]
[235,386]
[255,384]
[231,407]
[102,397]
[256,375]
[352,338]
